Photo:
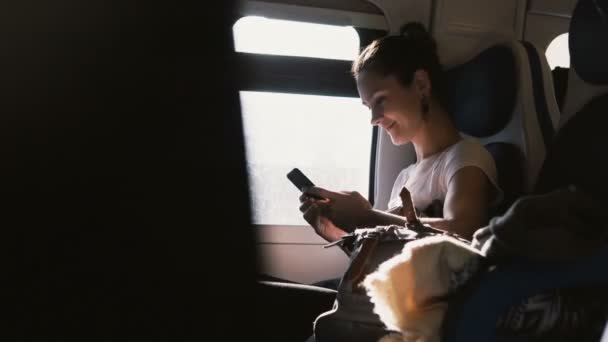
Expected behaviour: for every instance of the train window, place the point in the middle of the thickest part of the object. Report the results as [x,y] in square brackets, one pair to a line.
[557,53]
[291,38]
[329,138]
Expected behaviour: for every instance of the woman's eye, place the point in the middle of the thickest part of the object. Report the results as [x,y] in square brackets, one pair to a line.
[378,104]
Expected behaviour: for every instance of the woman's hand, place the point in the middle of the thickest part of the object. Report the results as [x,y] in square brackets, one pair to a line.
[313,211]
[345,210]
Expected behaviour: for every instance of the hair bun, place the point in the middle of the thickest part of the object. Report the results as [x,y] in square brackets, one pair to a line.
[416,32]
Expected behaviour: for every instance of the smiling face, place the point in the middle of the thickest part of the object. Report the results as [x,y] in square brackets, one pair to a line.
[395,107]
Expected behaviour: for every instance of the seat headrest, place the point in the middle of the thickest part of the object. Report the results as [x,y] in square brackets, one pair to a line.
[486,84]
[588,41]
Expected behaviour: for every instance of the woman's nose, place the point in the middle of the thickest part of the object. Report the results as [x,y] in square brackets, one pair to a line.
[377,115]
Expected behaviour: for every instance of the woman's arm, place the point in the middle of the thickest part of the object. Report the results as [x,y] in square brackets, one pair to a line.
[466,204]
[346,210]
[465,208]
[376,217]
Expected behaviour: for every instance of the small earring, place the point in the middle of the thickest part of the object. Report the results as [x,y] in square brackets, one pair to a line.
[424,103]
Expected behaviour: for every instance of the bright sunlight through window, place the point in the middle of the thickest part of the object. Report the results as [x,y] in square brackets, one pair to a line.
[557,53]
[328,138]
[291,38]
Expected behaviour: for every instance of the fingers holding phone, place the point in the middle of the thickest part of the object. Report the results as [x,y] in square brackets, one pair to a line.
[346,210]
[311,211]
[308,195]
[315,215]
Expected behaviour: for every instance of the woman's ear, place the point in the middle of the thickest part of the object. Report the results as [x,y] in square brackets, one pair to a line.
[422,82]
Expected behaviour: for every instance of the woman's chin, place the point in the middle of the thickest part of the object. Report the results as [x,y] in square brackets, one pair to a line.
[398,141]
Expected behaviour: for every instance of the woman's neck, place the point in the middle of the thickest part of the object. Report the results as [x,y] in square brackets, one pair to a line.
[437,134]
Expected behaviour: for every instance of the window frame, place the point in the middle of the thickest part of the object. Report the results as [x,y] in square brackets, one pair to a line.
[307,76]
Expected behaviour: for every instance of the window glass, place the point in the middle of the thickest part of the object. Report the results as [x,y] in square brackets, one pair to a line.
[328,138]
[557,53]
[292,38]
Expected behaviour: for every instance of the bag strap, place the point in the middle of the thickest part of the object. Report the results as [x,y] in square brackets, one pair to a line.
[358,269]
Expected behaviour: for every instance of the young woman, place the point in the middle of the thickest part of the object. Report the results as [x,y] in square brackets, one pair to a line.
[400,79]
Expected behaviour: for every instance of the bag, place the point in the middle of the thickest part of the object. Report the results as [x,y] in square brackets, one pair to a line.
[352,317]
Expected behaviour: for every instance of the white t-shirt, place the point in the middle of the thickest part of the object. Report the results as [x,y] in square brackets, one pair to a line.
[428,179]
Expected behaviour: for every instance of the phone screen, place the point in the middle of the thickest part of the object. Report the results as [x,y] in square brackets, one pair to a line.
[299,179]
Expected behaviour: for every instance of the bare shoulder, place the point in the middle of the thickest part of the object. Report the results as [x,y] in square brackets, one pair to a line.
[468,148]
[469,179]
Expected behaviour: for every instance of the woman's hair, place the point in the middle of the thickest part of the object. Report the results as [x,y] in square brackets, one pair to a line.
[402,55]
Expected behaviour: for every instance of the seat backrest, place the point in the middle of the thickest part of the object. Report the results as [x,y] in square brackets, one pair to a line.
[492,97]
[578,155]
[545,100]
[588,45]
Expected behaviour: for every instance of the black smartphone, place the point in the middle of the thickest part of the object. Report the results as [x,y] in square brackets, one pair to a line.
[300,180]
